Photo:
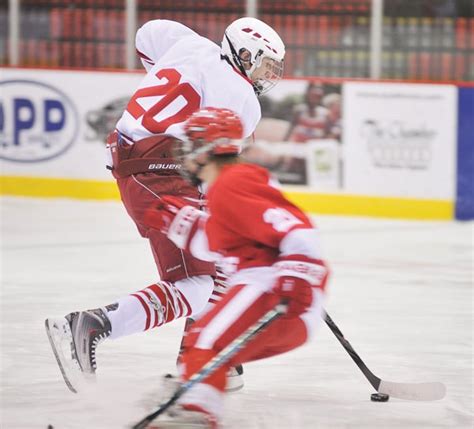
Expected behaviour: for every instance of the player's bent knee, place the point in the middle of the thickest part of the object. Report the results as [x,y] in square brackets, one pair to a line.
[197,291]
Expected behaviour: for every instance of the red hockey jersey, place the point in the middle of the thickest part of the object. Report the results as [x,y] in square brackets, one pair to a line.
[249,217]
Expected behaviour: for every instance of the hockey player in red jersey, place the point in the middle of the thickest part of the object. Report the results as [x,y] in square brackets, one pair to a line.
[184,73]
[269,247]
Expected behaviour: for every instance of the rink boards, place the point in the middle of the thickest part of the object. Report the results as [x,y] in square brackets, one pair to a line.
[406,149]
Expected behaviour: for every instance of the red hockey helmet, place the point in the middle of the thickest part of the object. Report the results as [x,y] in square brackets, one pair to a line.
[216,131]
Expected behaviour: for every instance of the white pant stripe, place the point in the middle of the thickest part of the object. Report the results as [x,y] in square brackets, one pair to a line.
[147,302]
[227,316]
[312,317]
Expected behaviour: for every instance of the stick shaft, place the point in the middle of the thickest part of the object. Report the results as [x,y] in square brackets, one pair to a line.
[373,379]
[220,359]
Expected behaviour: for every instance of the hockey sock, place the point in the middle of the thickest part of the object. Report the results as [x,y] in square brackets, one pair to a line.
[220,288]
[148,308]
[218,291]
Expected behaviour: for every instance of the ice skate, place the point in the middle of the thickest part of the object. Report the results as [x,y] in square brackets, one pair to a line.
[74,339]
[170,383]
[235,379]
[179,417]
[235,374]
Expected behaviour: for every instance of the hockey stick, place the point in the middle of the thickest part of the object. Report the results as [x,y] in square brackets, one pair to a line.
[412,391]
[221,358]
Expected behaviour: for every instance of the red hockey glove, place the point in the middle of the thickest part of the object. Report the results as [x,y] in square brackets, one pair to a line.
[173,217]
[160,215]
[298,275]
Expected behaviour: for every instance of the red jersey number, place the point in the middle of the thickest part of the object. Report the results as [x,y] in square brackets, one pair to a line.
[171,91]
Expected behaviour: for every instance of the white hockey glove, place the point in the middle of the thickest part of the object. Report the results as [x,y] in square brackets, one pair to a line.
[297,276]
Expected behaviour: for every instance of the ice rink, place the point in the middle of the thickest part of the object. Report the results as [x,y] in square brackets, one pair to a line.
[401,292]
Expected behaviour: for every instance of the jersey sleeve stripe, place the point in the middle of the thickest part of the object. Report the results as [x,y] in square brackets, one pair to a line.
[144,57]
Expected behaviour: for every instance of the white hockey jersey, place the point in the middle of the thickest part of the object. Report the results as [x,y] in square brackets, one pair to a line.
[184,73]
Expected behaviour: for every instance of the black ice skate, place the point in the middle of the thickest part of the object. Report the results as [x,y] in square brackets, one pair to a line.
[74,339]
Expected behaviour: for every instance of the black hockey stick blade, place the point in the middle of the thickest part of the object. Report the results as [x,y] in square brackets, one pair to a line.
[432,391]
[221,358]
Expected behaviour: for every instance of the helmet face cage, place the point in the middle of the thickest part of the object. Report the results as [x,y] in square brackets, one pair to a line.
[266,74]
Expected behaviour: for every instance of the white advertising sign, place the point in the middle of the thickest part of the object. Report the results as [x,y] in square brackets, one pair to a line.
[399,140]
[315,164]
[53,123]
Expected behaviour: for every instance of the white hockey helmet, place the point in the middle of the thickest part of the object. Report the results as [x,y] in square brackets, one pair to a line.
[255,49]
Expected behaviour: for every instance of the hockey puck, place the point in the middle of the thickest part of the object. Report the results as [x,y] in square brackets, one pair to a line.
[379,397]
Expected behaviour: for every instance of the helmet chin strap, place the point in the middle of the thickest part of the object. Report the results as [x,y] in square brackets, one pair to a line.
[236,57]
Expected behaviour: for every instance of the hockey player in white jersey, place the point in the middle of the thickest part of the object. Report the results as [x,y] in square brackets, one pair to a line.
[185,72]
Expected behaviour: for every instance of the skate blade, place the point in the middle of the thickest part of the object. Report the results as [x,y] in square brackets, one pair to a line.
[60,337]
[175,425]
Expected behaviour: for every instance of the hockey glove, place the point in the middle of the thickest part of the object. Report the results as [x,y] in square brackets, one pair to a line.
[297,276]
[173,217]
[161,214]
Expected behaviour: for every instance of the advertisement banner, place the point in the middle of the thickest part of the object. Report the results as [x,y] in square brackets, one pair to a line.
[400,139]
[366,148]
[299,135]
[53,123]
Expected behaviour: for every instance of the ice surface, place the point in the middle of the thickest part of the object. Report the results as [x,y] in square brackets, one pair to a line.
[401,292]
